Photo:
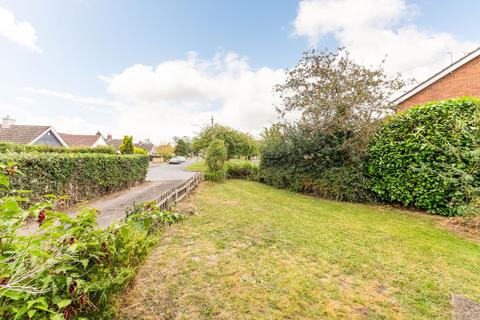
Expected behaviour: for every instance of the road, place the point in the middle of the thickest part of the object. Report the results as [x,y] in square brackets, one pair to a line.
[160,178]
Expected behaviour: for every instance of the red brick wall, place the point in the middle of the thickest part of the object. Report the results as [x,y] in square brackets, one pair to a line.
[465,81]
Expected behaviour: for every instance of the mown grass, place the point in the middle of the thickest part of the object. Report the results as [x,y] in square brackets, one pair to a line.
[200,166]
[254,252]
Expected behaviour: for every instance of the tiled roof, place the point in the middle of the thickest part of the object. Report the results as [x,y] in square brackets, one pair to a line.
[114,143]
[79,140]
[21,134]
[148,146]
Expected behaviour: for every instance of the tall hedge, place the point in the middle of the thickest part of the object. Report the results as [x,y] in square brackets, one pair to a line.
[81,176]
[429,157]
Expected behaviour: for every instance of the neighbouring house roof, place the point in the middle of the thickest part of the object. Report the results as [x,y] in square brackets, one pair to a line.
[454,66]
[114,143]
[80,140]
[26,134]
[147,146]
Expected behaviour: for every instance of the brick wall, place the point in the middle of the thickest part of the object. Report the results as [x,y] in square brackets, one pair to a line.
[465,81]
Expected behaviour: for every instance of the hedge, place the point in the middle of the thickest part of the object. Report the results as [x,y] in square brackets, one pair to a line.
[80,176]
[10,147]
[429,157]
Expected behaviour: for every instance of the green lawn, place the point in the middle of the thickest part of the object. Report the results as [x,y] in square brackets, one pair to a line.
[254,252]
[197,166]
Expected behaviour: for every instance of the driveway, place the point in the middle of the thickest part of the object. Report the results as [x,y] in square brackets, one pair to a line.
[170,172]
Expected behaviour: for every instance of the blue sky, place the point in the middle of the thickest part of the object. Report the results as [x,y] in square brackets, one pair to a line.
[129,67]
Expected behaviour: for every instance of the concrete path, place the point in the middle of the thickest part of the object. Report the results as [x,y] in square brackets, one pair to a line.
[112,207]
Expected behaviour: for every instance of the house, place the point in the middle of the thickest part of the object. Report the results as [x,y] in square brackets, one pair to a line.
[84,140]
[29,134]
[461,78]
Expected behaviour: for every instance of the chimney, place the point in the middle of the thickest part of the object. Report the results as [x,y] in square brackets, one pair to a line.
[109,136]
[98,134]
[7,122]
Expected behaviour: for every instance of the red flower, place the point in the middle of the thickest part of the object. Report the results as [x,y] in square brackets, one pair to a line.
[41,216]
[68,313]
[82,298]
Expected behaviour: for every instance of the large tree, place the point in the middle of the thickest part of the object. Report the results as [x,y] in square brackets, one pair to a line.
[238,144]
[182,147]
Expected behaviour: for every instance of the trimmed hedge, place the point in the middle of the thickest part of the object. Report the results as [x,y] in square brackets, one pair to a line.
[80,176]
[10,147]
[429,157]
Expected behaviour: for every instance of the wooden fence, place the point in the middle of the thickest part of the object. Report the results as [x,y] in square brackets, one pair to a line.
[177,193]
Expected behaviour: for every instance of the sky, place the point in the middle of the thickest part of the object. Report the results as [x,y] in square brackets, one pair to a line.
[157,69]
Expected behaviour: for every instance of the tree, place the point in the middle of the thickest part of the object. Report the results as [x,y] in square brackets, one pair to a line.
[127,145]
[165,150]
[334,94]
[182,147]
[238,144]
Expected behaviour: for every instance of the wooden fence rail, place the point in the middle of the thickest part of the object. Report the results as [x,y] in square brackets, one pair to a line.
[166,200]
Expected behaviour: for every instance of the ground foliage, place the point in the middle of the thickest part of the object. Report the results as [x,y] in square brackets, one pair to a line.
[70,269]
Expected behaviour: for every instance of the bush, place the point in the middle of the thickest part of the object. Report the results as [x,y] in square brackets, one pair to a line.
[81,176]
[216,157]
[316,162]
[429,157]
[10,147]
[139,151]
[127,146]
[242,170]
[71,269]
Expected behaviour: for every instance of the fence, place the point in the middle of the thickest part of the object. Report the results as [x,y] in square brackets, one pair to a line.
[174,195]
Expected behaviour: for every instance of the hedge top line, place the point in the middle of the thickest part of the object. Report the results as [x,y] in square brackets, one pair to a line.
[20,148]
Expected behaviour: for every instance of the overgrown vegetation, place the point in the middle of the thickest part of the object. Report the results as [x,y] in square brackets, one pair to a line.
[80,176]
[429,157]
[127,146]
[242,169]
[10,147]
[70,269]
[339,103]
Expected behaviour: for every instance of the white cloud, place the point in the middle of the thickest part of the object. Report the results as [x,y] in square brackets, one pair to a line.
[19,32]
[374,29]
[177,96]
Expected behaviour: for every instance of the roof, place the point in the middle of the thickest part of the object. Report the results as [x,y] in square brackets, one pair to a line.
[147,146]
[80,140]
[454,66]
[22,134]
[114,143]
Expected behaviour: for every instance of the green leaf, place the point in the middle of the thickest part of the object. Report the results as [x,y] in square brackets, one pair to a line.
[63,303]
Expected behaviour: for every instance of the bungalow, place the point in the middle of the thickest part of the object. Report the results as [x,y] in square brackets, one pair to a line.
[84,140]
[146,145]
[29,134]
[461,78]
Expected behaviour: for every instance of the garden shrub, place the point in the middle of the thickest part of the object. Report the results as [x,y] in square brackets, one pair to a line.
[316,162]
[80,176]
[242,170]
[70,269]
[429,157]
[216,157]
[10,147]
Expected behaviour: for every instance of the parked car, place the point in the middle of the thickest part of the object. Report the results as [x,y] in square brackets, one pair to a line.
[175,160]
[182,158]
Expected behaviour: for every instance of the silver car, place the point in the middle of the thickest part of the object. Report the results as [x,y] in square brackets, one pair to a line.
[175,160]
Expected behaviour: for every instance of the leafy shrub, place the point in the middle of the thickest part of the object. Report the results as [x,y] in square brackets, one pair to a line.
[216,157]
[315,162]
[10,147]
[81,176]
[139,151]
[429,157]
[71,269]
[242,170]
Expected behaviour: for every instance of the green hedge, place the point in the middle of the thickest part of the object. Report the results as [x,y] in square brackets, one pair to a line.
[10,147]
[81,176]
[429,157]
[242,170]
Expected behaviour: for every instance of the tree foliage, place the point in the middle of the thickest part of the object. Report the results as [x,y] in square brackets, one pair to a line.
[238,144]
[127,146]
[182,147]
